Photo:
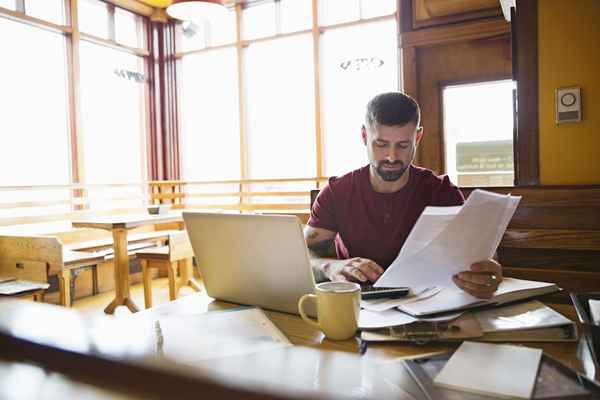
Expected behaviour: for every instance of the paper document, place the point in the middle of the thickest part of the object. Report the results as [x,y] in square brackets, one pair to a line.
[190,339]
[447,240]
[492,369]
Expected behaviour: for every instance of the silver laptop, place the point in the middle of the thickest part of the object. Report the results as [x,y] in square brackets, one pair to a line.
[260,260]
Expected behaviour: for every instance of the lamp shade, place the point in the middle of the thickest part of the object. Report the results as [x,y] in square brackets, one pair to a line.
[194,10]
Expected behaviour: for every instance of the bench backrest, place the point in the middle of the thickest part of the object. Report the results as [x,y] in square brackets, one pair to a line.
[30,257]
[179,246]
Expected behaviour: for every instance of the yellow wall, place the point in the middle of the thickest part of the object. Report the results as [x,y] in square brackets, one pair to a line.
[569,55]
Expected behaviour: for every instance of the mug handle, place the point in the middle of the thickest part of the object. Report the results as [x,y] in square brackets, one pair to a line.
[305,317]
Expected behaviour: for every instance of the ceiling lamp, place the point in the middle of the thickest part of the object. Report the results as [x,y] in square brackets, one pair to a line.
[194,10]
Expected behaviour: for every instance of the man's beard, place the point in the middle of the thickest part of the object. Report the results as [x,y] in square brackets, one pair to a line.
[391,176]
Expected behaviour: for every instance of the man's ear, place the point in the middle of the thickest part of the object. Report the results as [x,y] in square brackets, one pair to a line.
[363,132]
[418,136]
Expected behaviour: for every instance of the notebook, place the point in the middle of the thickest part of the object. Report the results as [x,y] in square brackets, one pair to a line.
[454,299]
[531,321]
[508,372]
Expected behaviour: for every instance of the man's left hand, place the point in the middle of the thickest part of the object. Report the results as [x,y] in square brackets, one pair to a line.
[482,280]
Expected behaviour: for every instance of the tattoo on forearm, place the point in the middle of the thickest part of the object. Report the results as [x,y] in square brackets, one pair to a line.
[324,248]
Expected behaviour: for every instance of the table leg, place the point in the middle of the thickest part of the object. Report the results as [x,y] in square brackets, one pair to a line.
[121,268]
[187,275]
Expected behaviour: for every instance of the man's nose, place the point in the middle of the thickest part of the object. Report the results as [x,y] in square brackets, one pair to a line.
[392,156]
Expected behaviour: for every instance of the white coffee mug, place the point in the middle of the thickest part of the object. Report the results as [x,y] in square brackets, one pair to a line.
[338,308]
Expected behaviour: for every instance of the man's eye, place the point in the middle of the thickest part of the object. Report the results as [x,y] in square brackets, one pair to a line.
[380,144]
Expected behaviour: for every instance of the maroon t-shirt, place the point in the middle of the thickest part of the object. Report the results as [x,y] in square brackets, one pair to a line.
[375,225]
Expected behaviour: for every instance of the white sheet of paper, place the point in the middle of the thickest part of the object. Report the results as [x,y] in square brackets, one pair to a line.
[492,369]
[595,311]
[373,319]
[472,235]
[387,304]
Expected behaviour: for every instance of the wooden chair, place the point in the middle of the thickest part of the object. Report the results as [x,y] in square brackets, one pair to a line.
[38,257]
[178,253]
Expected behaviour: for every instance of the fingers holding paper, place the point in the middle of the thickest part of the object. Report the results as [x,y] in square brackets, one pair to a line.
[481,280]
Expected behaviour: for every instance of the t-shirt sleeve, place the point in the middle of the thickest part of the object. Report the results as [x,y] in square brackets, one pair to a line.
[322,213]
[448,194]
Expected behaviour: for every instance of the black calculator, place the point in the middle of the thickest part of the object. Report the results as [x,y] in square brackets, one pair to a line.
[368,292]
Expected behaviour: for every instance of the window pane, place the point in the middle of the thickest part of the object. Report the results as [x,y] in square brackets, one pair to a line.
[34,107]
[210,118]
[281,121]
[476,156]
[359,62]
[128,28]
[259,20]
[191,35]
[296,15]
[112,115]
[10,4]
[376,8]
[49,10]
[338,11]
[93,17]
[222,31]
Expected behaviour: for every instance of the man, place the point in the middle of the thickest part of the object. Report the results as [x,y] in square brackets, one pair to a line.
[360,221]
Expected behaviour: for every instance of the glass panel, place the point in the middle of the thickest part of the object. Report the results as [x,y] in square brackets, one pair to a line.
[191,35]
[10,4]
[210,143]
[296,15]
[476,156]
[281,110]
[376,8]
[363,58]
[338,11]
[222,31]
[48,10]
[128,28]
[112,116]
[259,20]
[34,106]
[93,17]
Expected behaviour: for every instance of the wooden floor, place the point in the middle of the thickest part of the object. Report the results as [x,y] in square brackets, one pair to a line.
[94,305]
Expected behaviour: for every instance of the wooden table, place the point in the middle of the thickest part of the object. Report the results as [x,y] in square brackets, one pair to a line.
[110,359]
[119,225]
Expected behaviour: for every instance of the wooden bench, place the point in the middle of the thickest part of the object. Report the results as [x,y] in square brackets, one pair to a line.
[37,258]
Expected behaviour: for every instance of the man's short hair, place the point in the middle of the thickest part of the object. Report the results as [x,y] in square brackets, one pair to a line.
[392,109]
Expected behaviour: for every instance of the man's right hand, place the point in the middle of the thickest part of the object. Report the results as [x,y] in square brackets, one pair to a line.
[360,270]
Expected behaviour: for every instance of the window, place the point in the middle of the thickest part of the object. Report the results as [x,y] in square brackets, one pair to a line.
[196,35]
[34,106]
[296,15]
[358,63]
[210,137]
[280,115]
[93,17]
[259,20]
[128,28]
[376,8]
[10,4]
[49,10]
[338,11]
[112,116]
[478,133]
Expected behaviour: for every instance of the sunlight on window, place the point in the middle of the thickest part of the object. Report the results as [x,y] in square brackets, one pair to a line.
[259,20]
[34,106]
[281,111]
[93,17]
[296,15]
[478,133]
[337,11]
[376,8]
[128,28]
[10,4]
[358,63]
[210,145]
[112,115]
[49,10]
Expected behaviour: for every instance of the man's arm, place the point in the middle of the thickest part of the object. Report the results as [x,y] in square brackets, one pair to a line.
[325,265]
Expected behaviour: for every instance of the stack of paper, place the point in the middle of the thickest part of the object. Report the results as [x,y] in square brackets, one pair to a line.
[492,369]
[447,240]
